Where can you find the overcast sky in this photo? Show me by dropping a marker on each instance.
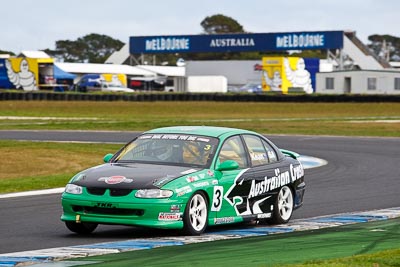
(38, 24)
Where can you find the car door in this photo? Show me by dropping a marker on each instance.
(262, 176)
(230, 193)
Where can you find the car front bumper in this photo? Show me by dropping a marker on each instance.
(159, 213)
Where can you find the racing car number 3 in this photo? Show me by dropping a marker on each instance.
(217, 198)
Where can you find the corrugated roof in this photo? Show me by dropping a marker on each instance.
(104, 68)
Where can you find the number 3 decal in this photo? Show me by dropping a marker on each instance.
(217, 198)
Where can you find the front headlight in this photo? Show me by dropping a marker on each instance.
(153, 193)
(73, 189)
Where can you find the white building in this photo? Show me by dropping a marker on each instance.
(358, 82)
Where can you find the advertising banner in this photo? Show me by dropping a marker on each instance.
(285, 74)
(236, 42)
(115, 79)
(19, 73)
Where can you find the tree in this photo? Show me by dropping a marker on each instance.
(219, 24)
(7, 52)
(385, 46)
(91, 48)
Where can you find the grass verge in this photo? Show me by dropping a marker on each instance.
(362, 244)
(362, 119)
(41, 165)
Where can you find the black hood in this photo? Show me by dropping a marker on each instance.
(130, 176)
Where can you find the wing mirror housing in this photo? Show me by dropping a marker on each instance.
(228, 165)
(107, 158)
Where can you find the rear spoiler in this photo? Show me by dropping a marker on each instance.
(290, 153)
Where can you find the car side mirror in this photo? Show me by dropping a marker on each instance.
(228, 166)
(107, 158)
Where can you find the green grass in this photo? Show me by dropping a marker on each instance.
(34, 183)
(41, 165)
(363, 244)
(353, 119)
(387, 258)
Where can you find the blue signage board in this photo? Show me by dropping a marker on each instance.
(236, 42)
(4, 80)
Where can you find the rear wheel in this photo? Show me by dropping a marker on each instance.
(81, 228)
(283, 207)
(196, 214)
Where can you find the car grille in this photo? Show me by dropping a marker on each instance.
(120, 192)
(98, 191)
(107, 211)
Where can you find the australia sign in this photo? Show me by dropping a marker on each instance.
(236, 42)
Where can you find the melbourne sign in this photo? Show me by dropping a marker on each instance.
(236, 42)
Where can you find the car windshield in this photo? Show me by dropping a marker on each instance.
(171, 149)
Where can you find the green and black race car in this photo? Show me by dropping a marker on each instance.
(187, 177)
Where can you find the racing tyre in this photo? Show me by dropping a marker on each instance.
(283, 207)
(196, 214)
(81, 228)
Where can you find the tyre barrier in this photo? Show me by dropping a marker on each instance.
(227, 97)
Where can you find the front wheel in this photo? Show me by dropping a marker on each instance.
(196, 214)
(81, 228)
(283, 207)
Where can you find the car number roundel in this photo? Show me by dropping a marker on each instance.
(217, 198)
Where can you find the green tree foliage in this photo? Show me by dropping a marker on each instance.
(91, 48)
(385, 45)
(7, 52)
(220, 24)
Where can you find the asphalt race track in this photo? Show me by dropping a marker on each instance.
(362, 174)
